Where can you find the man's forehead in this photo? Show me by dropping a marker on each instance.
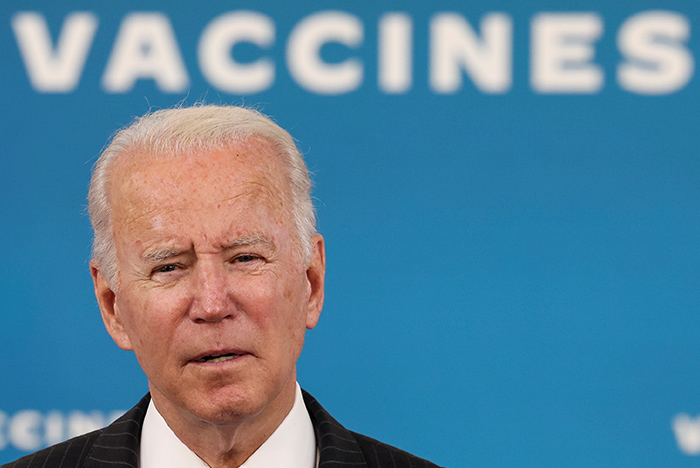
(254, 153)
(252, 161)
(204, 194)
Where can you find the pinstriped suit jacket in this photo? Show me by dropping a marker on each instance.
(117, 446)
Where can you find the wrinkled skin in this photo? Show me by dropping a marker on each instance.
(209, 266)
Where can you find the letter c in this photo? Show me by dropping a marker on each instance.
(24, 430)
(304, 47)
(214, 52)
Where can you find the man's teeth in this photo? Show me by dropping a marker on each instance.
(222, 358)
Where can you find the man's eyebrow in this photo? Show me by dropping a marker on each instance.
(158, 254)
(249, 240)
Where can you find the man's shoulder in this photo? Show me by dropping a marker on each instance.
(117, 443)
(69, 454)
(337, 445)
(378, 454)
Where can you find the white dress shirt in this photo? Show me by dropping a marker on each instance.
(292, 445)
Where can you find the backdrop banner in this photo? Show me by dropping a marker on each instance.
(509, 192)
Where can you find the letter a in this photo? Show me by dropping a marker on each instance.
(145, 48)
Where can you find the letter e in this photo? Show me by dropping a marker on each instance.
(561, 52)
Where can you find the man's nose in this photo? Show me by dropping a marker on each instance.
(211, 295)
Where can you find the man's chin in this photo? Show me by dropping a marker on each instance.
(229, 405)
(222, 398)
(221, 410)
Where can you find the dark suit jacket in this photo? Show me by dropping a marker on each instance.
(117, 446)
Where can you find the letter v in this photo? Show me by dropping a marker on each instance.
(54, 70)
(687, 431)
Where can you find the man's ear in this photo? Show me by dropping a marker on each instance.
(315, 275)
(107, 300)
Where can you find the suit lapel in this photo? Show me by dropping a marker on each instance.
(336, 445)
(119, 443)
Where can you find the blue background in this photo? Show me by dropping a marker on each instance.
(512, 279)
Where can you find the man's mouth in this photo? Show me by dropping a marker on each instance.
(219, 357)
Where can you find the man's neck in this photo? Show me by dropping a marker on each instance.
(230, 443)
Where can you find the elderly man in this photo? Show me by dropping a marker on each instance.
(207, 265)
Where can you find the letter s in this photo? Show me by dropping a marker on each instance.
(657, 60)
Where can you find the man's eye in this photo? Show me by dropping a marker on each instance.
(165, 269)
(245, 258)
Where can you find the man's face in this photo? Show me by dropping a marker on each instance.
(214, 297)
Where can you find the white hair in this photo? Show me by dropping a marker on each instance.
(194, 129)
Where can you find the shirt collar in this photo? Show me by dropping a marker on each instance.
(292, 445)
